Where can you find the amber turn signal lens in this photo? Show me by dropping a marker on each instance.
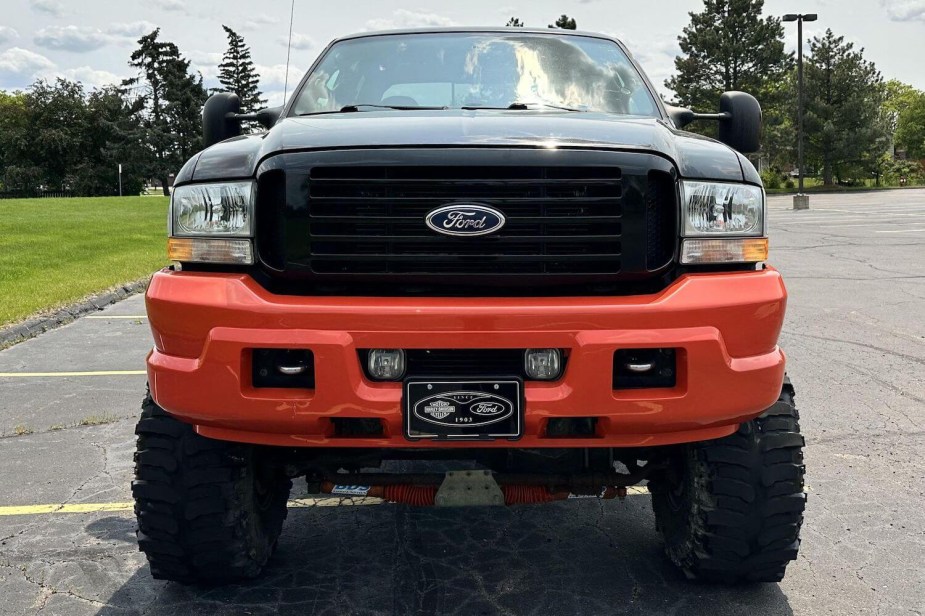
(738, 250)
(201, 250)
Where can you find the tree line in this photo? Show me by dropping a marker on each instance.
(57, 136)
(854, 121)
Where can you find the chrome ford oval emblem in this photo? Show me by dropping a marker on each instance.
(465, 219)
(466, 408)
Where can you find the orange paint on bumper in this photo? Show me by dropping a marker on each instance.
(726, 327)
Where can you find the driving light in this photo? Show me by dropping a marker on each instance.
(220, 209)
(715, 208)
(543, 364)
(202, 250)
(733, 250)
(386, 364)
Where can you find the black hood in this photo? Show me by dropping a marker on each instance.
(695, 156)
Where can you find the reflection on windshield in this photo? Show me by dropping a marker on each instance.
(476, 70)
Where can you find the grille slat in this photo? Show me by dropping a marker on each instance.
(371, 219)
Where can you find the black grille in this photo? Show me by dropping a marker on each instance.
(560, 220)
(461, 362)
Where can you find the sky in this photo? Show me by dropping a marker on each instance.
(91, 40)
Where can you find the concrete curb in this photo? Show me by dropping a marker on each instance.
(32, 327)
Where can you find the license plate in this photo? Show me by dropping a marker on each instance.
(463, 409)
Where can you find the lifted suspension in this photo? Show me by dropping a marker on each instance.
(482, 487)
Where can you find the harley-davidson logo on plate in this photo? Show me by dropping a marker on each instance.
(463, 409)
(465, 219)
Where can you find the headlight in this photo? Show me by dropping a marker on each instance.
(711, 209)
(220, 210)
(207, 220)
(723, 223)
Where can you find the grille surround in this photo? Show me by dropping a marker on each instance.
(296, 199)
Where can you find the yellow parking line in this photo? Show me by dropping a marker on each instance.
(73, 508)
(299, 503)
(117, 316)
(97, 373)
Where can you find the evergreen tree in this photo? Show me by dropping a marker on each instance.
(846, 127)
(730, 46)
(565, 23)
(237, 73)
(168, 100)
(514, 22)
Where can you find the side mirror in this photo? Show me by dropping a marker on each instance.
(739, 120)
(269, 116)
(741, 128)
(220, 118)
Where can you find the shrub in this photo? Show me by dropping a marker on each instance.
(770, 178)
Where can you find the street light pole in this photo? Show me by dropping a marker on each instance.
(800, 200)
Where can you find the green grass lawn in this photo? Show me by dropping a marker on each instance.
(56, 251)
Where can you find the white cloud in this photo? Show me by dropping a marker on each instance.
(20, 65)
(204, 57)
(90, 77)
(258, 22)
(299, 41)
(52, 7)
(71, 38)
(403, 18)
(7, 34)
(904, 10)
(135, 29)
(170, 5)
(274, 76)
(274, 98)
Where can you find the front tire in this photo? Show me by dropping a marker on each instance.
(208, 511)
(730, 510)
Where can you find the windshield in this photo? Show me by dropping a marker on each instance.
(476, 70)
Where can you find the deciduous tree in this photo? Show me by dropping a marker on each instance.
(905, 108)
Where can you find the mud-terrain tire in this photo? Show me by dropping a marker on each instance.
(730, 510)
(208, 511)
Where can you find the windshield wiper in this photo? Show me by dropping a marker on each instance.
(519, 106)
(361, 106)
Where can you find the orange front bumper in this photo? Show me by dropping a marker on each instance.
(726, 327)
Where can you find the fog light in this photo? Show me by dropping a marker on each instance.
(386, 364)
(543, 364)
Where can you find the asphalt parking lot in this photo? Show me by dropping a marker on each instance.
(855, 338)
